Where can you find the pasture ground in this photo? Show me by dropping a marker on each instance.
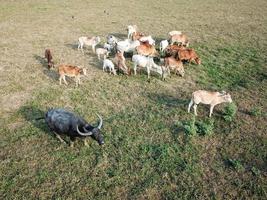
(147, 154)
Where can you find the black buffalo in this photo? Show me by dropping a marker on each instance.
(61, 121)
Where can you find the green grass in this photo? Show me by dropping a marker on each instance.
(153, 148)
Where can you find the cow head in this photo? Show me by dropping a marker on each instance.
(95, 132)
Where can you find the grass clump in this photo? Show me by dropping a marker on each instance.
(256, 112)
(229, 112)
(193, 127)
(190, 127)
(205, 127)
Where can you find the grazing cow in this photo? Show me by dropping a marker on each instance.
(210, 98)
(147, 49)
(61, 121)
(174, 65)
(188, 55)
(172, 50)
(71, 71)
(48, 56)
(112, 40)
(148, 63)
(119, 61)
(148, 39)
(93, 41)
(127, 45)
(180, 39)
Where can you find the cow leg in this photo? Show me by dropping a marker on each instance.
(148, 72)
(64, 79)
(60, 80)
(211, 110)
(189, 106)
(58, 137)
(195, 109)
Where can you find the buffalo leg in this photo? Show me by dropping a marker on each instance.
(58, 137)
(72, 140)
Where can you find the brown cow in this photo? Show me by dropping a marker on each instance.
(49, 58)
(188, 55)
(146, 49)
(174, 65)
(172, 50)
(71, 71)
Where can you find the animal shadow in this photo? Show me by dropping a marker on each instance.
(33, 114)
(72, 46)
(52, 74)
(41, 60)
(167, 100)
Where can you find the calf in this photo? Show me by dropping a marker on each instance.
(171, 33)
(93, 41)
(102, 52)
(61, 121)
(210, 98)
(119, 61)
(163, 45)
(49, 58)
(172, 50)
(131, 30)
(109, 64)
(188, 55)
(71, 71)
(148, 39)
(147, 49)
(174, 65)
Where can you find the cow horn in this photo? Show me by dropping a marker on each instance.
(101, 122)
(83, 134)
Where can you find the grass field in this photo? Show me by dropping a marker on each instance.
(148, 153)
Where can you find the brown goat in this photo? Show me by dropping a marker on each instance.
(146, 49)
(119, 61)
(180, 39)
(49, 58)
(188, 55)
(174, 65)
(71, 71)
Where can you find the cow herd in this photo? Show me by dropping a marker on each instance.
(173, 53)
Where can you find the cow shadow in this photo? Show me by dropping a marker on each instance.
(72, 46)
(168, 100)
(52, 74)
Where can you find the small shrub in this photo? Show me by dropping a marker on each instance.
(230, 112)
(236, 164)
(190, 127)
(205, 127)
(256, 112)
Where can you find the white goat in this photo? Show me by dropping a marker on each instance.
(148, 63)
(93, 41)
(131, 30)
(163, 44)
(127, 45)
(109, 64)
(210, 98)
(149, 38)
(103, 52)
(171, 33)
